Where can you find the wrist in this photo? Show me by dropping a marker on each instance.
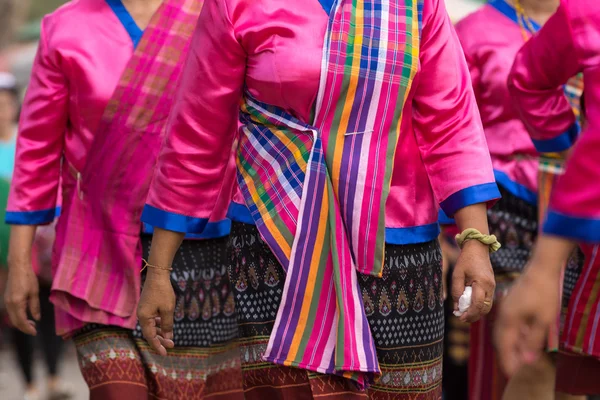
(551, 254)
(155, 273)
(19, 262)
(475, 246)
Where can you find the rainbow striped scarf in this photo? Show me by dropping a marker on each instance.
(318, 191)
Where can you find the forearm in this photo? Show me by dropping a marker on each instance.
(473, 216)
(550, 254)
(19, 247)
(164, 247)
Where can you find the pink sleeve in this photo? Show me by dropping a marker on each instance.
(35, 183)
(574, 210)
(462, 32)
(537, 90)
(192, 167)
(446, 119)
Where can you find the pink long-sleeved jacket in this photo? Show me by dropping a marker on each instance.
(274, 49)
(568, 44)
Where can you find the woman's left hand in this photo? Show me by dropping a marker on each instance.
(473, 268)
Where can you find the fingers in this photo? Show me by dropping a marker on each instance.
(166, 322)
(17, 312)
(167, 343)
(481, 304)
(507, 337)
(34, 306)
(533, 342)
(148, 325)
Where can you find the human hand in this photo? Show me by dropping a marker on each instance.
(526, 315)
(22, 294)
(473, 268)
(155, 311)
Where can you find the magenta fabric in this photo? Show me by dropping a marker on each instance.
(96, 115)
(82, 53)
(441, 150)
(491, 41)
(568, 44)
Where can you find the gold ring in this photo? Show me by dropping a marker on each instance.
(487, 303)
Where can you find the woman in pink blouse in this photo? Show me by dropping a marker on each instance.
(92, 123)
(357, 118)
(567, 45)
(491, 38)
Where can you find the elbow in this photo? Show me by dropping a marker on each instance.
(515, 84)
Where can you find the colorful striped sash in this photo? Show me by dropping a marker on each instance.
(98, 253)
(318, 191)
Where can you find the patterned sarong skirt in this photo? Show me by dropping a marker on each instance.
(118, 364)
(404, 309)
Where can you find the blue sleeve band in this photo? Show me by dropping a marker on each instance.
(560, 143)
(172, 222)
(213, 230)
(240, 213)
(577, 228)
(412, 235)
(468, 196)
(516, 188)
(443, 219)
(32, 217)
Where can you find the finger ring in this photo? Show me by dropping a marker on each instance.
(487, 303)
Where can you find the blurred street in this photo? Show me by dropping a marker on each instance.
(11, 382)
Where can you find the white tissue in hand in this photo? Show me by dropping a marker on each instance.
(464, 302)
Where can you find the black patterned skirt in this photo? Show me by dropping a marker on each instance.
(515, 223)
(404, 309)
(118, 364)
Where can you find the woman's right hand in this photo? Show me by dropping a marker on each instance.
(22, 294)
(155, 310)
(22, 288)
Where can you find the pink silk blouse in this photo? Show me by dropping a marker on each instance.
(568, 44)
(83, 50)
(274, 49)
(491, 38)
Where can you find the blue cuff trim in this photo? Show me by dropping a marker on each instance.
(560, 143)
(240, 213)
(172, 222)
(580, 229)
(412, 235)
(31, 217)
(515, 188)
(472, 195)
(213, 230)
(443, 219)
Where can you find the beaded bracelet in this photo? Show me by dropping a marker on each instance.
(473, 234)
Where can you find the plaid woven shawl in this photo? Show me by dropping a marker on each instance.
(317, 191)
(97, 263)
